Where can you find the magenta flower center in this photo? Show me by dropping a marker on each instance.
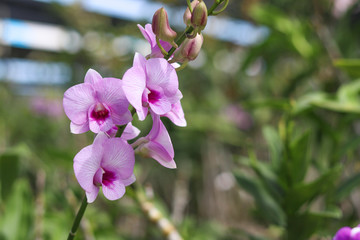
(153, 96)
(108, 178)
(99, 112)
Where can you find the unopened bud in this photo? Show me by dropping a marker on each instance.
(199, 16)
(161, 27)
(188, 14)
(189, 49)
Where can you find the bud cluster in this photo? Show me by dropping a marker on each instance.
(195, 18)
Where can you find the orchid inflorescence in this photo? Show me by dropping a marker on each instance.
(149, 87)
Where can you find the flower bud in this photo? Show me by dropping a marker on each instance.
(189, 49)
(161, 27)
(188, 14)
(199, 16)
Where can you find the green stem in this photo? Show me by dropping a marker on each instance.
(163, 51)
(189, 5)
(189, 29)
(214, 6)
(78, 218)
(222, 9)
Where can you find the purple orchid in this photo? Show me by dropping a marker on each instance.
(157, 144)
(97, 104)
(108, 162)
(152, 83)
(149, 35)
(347, 233)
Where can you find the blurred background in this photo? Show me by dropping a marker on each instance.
(271, 150)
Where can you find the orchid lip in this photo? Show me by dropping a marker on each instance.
(100, 112)
(108, 178)
(154, 96)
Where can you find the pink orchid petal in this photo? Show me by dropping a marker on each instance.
(92, 76)
(112, 132)
(157, 144)
(176, 115)
(161, 74)
(114, 191)
(121, 119)
(139, 61)
(160, 154)
(142, 113)
(98, 177)
(134, 81)
(159, 134)
(110, 92)
(129, 180)
(155, 50)
(77, 100)
(161, 106)
(81, 128)
(94, 126)
(176, 98)
(91, 196)
(130, 132)
(86, 164)
(148, 33)
(118, 157)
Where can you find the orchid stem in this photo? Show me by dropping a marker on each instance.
(189, 5)
(222, 9)
(163, 51)
(78, 218)
(182, 66)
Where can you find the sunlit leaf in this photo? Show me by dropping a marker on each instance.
(350, 66)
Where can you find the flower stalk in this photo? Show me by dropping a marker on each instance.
(78, 218)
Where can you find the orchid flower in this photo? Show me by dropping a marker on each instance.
(347, 233)
(151, 83)
(157, 144)
(109, 163)
(97, 104)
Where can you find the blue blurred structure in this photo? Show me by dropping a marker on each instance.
(23, 26)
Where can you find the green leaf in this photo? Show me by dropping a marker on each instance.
(306, 192)
(16, 223)
(300, 156)
(308, 101)
(266, 175)
(275, 145)
(9, 168)
(293, 29)
(267, 205)
(302, 226)
(347, 186)
(350, 66)
(346, 100)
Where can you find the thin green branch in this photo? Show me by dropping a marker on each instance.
(189, 5)
(78, 218)
(222, 9)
